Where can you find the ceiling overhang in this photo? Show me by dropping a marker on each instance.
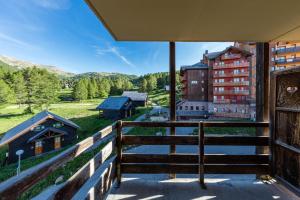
(200, 20)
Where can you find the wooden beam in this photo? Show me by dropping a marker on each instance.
(193, 140)
(135, 168)
(194, 124)
(119, 151)
(73, 184)
(172, 76)
(15, 186)
(262, 90)
(194, 158)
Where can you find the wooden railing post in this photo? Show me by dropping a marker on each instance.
(119, 151)
(201, 155)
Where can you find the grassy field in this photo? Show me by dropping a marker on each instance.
(159, 97)
(82, 113)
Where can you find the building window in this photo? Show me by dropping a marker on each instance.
(58, 125)
(202, 81)
(180, 108)
(202, 89)
(221, 89)
(186, 107)
(194, 82)
(197, 107)
(202, 74)
(192, 107)
(39, 128)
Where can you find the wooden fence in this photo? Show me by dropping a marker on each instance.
(193, 163)
(15, 186)
(111, 161)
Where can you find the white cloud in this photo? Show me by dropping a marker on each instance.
(53, 4)
(15, 41)
(114, 51)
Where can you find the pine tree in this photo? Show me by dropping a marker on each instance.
(104, 88)
(6, 93)
(151, 83)
(143, 86)
(80, 90)
(92, 88)
(18, 85)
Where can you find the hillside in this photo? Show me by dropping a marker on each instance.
(13, 64)
(10, 63)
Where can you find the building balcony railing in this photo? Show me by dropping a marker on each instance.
(231, 56)
(232, 114)
(241, 83)
(231, 65)
(231, 74)
(232, 92)
(287, 61)
(287, 50)
(222, 101)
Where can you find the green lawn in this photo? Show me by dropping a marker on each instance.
(82, 113)
(160, 97)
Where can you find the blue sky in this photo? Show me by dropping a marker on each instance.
(66, 34)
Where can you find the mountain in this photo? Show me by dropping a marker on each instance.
(15, 64)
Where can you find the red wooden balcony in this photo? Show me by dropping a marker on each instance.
(241, 74)
(231, 92)
(241, 83)
(232, 65)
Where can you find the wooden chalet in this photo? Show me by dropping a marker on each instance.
(116, 108)
(138, 98)
(277, 152)
(42, 133)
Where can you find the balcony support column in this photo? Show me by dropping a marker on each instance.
(262, 91)
(172, 104)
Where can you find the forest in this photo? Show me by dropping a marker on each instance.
(38, 88)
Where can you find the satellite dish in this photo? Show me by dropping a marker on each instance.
(19, 152)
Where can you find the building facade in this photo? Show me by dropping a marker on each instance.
(44, 132)
(226, 85)
(284, 55)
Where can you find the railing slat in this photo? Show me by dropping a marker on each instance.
(16, 185)
(194, 124)
(194, 158)
(193, 140)
(135, 168)
(71, 186)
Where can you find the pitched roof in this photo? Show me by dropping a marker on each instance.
(214, 55)
(22, 128)
(135, 96)
(113, 103)
(198, 65)
(45, 131)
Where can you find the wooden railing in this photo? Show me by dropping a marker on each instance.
(192, 163)
(109, 166)
(15, 186)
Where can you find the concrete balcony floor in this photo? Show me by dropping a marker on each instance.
(219, 187)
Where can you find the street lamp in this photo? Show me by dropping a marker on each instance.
(19, 153)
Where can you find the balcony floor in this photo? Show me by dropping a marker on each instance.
(222, 187)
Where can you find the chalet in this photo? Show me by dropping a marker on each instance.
(116, 108)
(138, 99)
(42, 133)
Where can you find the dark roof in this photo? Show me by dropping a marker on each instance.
(214, 55)
(135, 96)
(55, 130)
(198, 65)
(113, 103)
(20, 129)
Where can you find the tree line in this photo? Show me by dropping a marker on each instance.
(37, 87)
(32, 86)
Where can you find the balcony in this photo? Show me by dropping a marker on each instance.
(241, 83)
(131, 169)
(230, 56)
(221, 101)
(287, 50)
(245, 74)
(231, 66)
(232, 92)
(232, 115)
(287, 61)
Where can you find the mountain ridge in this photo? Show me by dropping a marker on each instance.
(17, 64)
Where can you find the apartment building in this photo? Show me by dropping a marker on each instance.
(194, 103)
(226, 89)
(284, 55)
